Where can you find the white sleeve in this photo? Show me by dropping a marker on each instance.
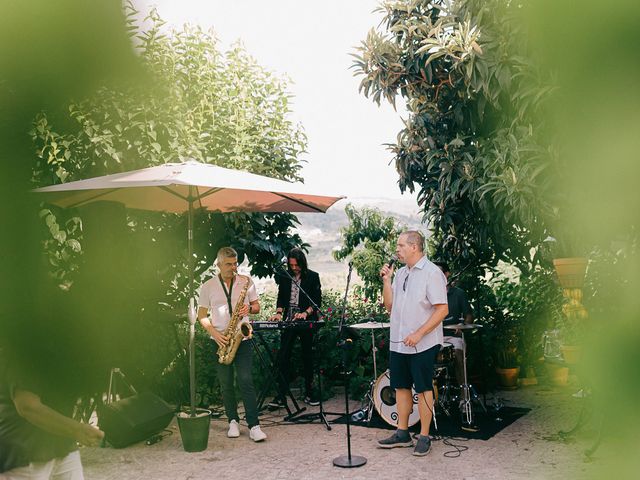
(203, 298)
(252, 294)
(437, 287)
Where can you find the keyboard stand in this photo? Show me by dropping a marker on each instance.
(281, 386)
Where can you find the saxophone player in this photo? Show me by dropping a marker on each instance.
(219, 297)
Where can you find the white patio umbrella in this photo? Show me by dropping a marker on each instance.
(183, 187)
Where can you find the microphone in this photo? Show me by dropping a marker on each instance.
(392, 261)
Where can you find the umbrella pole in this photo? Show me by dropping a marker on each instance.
(192, 311)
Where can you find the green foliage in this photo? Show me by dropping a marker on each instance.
(530, 306)
(220, 108)
(369, 239)
(62, 245)
(473, 144)
(215, 107)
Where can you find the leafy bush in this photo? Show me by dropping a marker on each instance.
(172, 380)
(530, 305)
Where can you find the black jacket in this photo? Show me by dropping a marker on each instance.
(310, 283)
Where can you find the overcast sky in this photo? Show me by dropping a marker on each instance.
(310, 42)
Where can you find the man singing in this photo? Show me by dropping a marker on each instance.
(417, 300)
(219, 295)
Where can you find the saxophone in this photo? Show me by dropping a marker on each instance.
(236, 331)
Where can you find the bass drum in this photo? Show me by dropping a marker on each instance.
(384, 400)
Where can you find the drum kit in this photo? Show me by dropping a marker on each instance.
(382, 398)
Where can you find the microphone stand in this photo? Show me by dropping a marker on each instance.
(347, 461)
(308, 417)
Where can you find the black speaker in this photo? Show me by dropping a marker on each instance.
(134, 419)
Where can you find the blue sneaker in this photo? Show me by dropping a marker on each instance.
(423, 446)
(396, 440)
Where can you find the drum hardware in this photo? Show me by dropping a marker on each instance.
(468, 392)
(446, 355)
(442, 389)
(368, 406)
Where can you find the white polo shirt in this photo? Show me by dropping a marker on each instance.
(213, 298)
(415, 292)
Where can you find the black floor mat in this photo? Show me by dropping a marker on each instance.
(450, 426)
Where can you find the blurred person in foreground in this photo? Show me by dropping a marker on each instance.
(38, 439)
(417, 299)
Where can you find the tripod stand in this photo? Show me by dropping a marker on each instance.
(348, 460)
(468, 392)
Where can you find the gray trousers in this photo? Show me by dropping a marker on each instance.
(242, 366)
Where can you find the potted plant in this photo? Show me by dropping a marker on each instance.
(194, 423)
(530, 303)
(507, 356)
(570, 271)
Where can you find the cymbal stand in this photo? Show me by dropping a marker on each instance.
(468, 393)
(444, 393)
(367, 405)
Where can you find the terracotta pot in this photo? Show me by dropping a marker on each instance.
(558, 374)
(529, 378)
(508, 377)
(571, 354)
(570, 271)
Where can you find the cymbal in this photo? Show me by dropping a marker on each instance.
(463, 326)
(371, 325)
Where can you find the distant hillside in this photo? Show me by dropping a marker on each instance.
(322, 232)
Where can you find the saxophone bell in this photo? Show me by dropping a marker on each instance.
(247, 330)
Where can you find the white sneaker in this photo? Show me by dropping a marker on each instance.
(256, 434)
(234, 429)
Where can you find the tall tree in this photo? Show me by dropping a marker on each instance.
(370, 240)
(474, 144)
(220, 108)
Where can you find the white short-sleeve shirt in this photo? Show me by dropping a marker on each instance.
(415, 292)
(213, 298)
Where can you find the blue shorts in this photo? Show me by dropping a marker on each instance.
(413, 370)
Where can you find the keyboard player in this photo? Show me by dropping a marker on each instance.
(299, 296)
